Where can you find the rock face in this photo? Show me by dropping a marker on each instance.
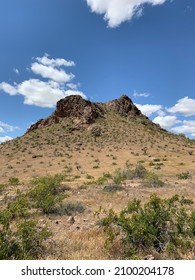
(77, 107)
(84, 112)
(123, 106)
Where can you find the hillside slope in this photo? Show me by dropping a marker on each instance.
(92, 138)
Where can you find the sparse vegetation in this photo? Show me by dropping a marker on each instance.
(139, 172)
(112, 188)
(184, 175)
(132, 158)
(160, 225)
(70, 209)
(14, 181)
(152, 181)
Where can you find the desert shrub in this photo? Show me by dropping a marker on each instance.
(112, 188)
(70, 209)
(104, 178)
(101, 180)
(184, 175)
(107, 175)
(139, 172)
(160, 225)
(119, 176)
(19, 208)
(157, 160)
(68, 168)
(45, 192)
(152, 181)
(31, 238)
(14, 181)
(89, 176)
(25, 242)
(52, 182)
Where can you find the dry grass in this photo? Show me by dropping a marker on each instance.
(81, 245)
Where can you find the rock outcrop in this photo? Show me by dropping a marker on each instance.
(85, 112)
(123, 106)
(73, 107)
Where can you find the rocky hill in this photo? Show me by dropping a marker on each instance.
(91, 138)
(85, 112)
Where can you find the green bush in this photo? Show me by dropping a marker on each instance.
(119, 176)
(104, 178)
(160, 225)
(17, 208)
(101, 180)
(21, 239)
(25, 242)
(45, 193)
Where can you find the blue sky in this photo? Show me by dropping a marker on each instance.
(99, 49)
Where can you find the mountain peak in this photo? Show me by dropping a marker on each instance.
(84, 111)
(124, 106)
(77, 107)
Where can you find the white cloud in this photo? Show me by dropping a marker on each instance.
(11, 90)
(166, 121)
(5, 139)
(45, 93)
(149, 109)
(184, 106)
(58, 62)
(118, 11)
(16, 71)
(51, 73)
(73, 86)
(50, 68)
(161, 113)
(143, 94)
(39, 93)
(2, 130)
(42, 94)
(7, 127)
(186, 127)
